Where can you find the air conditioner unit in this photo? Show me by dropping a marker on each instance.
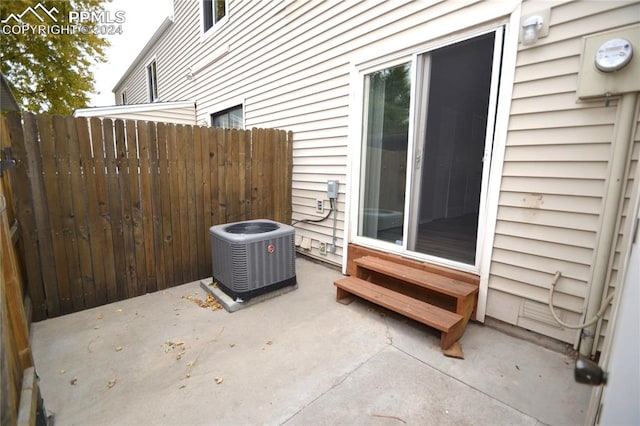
(253, 257)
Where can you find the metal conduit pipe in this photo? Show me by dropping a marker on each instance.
(613, 194)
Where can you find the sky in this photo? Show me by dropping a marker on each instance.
(142, 19)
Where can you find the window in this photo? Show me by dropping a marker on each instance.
(123, 97)
(152, 78)
(230, 118)
(213, 11)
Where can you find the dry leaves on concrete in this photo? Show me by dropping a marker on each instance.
(209, 302)
(175, 347)
(190, 365)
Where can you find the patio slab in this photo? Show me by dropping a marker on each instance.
(299, 358)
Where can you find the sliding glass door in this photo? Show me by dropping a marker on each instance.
(430, 205)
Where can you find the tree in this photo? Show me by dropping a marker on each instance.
(49, 62)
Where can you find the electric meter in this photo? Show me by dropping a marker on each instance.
(613, 54)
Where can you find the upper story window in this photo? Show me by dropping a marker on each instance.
(230, 118)
(152, 79)
(213, 11)
(123, 97)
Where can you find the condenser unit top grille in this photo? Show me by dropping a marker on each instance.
(253, 227)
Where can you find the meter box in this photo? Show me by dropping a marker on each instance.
(610, 63)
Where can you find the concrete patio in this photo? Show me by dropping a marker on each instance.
(299, 358)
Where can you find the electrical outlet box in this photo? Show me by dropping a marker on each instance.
(332, 189)
(319, 205)
(323, 248)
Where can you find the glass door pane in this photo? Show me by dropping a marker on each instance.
(457, 86)
(384, 156)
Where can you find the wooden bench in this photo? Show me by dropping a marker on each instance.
(451, 323)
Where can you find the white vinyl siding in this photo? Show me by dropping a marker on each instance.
(176, 116)
(159, 112)
(554, 174)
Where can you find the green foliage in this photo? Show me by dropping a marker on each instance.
(51, 72)
(393, 86)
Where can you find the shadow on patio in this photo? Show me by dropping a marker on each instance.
(300, 358)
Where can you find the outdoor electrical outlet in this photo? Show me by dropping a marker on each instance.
(319, 205)
(323, 248)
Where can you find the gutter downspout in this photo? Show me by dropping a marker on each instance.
(613, 195)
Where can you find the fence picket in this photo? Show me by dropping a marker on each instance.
(129, 209)
(115, 202)
(232, 185)
(80, 219)
(269, 158)
(95, 234)
(105, 232)
(175, 203)
(200, 234)
(190, 210)
(146, 223)
(257, 173)
(165, 203)
(183, 203)
(207, 219)
(288, 195)
(111, 209)
(158, 281)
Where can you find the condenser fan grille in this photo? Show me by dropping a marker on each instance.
(252, 227)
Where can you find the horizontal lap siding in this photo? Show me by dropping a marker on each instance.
(174, 116)
(554, 175)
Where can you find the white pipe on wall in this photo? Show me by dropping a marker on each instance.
(622, 138)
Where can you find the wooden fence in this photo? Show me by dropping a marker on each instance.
(111, 209)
